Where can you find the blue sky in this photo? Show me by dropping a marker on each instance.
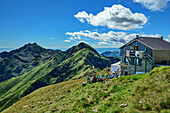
(64, 23)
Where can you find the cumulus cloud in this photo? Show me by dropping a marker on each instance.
(115, 17)
(104, 38)
(103, 43)
(82, 41)
(110, 39)
(67, 40)
(168, 39)
(152, 35)
(111, 36)
(81, 16)
(51, 38)
(153, 5)
(71, 38)
(108, 46)
(3, 47)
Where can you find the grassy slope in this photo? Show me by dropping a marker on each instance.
(13, 89)
(142, 93)
(75, 66)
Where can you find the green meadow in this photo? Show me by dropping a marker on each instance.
(148, 92)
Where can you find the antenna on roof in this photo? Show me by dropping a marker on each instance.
(162, 37)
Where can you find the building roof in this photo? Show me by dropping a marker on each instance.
(151, 42)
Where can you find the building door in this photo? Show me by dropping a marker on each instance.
(136, 48)
(126, 73)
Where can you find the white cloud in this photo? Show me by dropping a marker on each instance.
(82, 41)
(110, 46)
(168, 39)
(115, 17)
(153, 5)
(81, 15)
(67, 40)
(152, 35)
(51, 38)
(103, 43)
(3, 47)
(111, 36)
(71, 38)
(110, 39)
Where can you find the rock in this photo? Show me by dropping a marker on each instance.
(141, 101)
(95, 110)
(123, 105)
(51, 97)
(84, 83)
(25, 106)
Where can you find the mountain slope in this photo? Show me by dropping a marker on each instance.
(70, 64)
(142, 93)
(15, 88)
(111, 54)
(22, 60)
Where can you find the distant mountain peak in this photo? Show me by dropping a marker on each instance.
(35, 43)
(82, 43)
(111, 54)
(32, 44)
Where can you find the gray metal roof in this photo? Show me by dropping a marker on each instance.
(151, 42)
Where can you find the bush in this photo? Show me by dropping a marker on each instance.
(117, 110)
(85, 104)
(164, 105)
(105, 95)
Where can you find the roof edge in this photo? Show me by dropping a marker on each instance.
(128, 43)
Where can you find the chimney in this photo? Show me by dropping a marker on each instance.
(162, 37)
(137, 36)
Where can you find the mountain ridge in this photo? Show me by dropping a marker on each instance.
(22, 60)
(111, 54)
(61, 66)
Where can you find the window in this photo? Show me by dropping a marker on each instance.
(126, 73)
(136, 48)
(132, 61)
(164, 62)
(132, 47)
(125, 60)
(146, 50)
(138, 62)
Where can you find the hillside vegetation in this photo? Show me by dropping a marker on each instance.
(24, 59)
(61, 66)
(138, 93)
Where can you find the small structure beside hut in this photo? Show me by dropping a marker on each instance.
(115, 66)
(141, 54)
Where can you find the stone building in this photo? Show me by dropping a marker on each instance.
(141, 54)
